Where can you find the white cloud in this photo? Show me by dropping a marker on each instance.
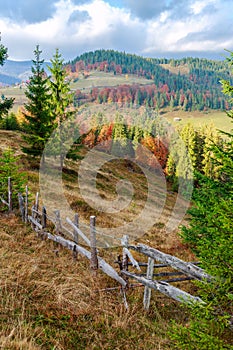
(75, 26)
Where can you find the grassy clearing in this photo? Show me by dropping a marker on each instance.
(218, 118)
(182, 69)
(102, 79)
(51, 302)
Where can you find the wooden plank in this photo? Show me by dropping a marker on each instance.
(186, 267)
(131, 258)
(35, 222)
(165, 288)
(147, 290)
(4, 202)
(81, 234)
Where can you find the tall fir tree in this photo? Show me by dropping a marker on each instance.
(39, 120)
(62, 108)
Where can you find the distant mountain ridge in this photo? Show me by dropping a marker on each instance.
(13, 72)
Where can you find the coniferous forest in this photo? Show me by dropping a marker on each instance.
(190, 83)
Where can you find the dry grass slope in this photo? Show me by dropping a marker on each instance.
(52, 302)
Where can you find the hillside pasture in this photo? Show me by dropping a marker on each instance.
(49, 301)
(199, 119)
(102, 79)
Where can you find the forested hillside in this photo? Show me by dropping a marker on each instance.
(189, 83)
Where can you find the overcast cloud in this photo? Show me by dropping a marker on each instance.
(165, 28)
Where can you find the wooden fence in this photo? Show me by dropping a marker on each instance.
(79, 243)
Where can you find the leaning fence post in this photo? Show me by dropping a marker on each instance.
(33, 216)
(21, 206)
(10, 203)
(26, 205)
(36, 205)
(147, 290)
(125, 259)
(58, 222)
(94, 258)
(76, 223)
(44, 217)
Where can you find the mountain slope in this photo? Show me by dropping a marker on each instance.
(189, 83)
(16, 71)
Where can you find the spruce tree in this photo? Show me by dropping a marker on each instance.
(210, 235)
(9, 167)
(62, 109)
(39, 120)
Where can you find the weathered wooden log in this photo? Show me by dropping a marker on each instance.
(165, 288)
(4, 202)
(35, 223)
(134, 263)
(81, 234)
(186, 267)
(147, 290)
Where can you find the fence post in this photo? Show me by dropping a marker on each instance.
(21, 206)
(26, 205)
(36, 205)
(33, 216)
(125, 259)
(58, 222)
(44, 217)
(94, 258)
(10, 203)
(76, 223)
(147, 290)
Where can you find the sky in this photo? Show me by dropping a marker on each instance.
(150, 28)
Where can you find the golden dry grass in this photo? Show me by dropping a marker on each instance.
(50, 301)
